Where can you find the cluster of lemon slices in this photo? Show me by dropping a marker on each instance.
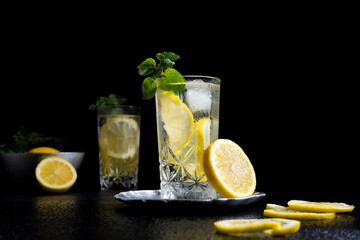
(54, 174)
(283, 220)
(305, 210)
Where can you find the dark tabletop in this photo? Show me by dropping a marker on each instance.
(97, 215)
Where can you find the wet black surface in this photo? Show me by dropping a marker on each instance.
(98, 215)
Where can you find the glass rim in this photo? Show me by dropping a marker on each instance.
(203, 77)
(120, 106)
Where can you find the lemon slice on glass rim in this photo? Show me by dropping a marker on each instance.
(178, 119)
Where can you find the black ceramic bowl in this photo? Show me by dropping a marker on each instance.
(22, 165)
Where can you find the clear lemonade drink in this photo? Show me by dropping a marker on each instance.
(187, 122)
(119, 140)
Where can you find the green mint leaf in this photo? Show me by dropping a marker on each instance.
(115, 100)
(160, 56)
(172, 81)
(147, 67)
(166, 63)
(162, 75)
(170, 55)
(111, 100)
(149, 88)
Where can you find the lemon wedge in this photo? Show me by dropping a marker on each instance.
(228, 169)
(55, 174)
(287, 227)
(202, 141)
(43, 150)
(245, 225)
(178, 119)
(119, 138)
(320, 207)
(276, 211)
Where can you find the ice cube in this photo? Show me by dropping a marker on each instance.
(198, 96)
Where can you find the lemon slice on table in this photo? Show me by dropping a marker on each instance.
(287, 227)
(245, 225)
(202, 140)
(55, 174)
(178, 120)
(320, 207)
(43, 150)
(276, 211)
(228, 169)
(276, 207)
(119, 138)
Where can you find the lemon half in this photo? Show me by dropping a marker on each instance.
(228, 169)
(43, 150)
(55, 174)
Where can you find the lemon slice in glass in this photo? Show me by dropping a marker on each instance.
(178, 119)
(55, 174)
(228, 169)
(320, 207)
(119, 138)
(202, 141)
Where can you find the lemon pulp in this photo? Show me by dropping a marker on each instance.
(228, 169)
(55, 174)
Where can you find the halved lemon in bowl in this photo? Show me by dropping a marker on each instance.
(43, 150)
(55, 174)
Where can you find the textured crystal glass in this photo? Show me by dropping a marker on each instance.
(187, 122)
(119, 142)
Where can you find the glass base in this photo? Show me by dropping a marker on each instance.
(119, 183)
(187, 190)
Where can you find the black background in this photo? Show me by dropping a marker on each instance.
(288, 89)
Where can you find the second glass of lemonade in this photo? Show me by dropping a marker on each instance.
(187, 122)
(119, 142)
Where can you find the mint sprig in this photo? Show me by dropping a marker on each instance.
(163, 75)
(112, 100)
